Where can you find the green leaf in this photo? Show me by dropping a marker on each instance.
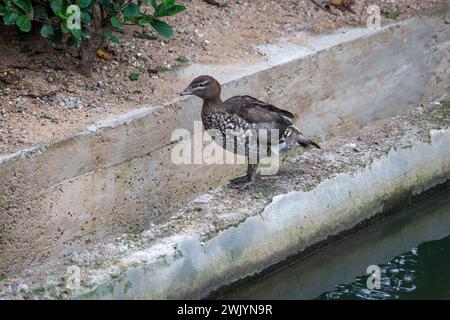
(57, 6)
(86, 33)
(145, 20)
(154, 4)
(159, 10)
(134, 76)
(63, 27)
(147, 36)
(173, 10)
(84, 3)
(105, 3)
(183, 59)
(47, 31)
(169, 3)
(40, 12)
(162, 28)
(116, 22)
(25, 5)
(2, 9)
(10, 18)
(109, 35)
(77, 36)
(23, 23)
(85, 17)
(131, 10)
(394, 14)
(116, 8)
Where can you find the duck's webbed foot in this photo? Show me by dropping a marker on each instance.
(242, 183)
(239, 179)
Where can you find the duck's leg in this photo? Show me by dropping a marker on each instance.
(243, 182)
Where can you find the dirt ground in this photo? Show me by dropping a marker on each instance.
(44, 98)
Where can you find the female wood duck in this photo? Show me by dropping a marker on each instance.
(240, 120)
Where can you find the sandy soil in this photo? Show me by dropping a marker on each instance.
(43, 97)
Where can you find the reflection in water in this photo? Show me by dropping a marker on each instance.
(421, 273)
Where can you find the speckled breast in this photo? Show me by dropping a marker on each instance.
(235, 135)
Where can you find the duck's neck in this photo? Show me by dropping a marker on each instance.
(211, 105)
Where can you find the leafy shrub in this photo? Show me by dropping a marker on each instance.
(73, 21)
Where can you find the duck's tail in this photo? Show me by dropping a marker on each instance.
(298, 137)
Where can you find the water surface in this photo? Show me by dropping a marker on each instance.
(412, 250)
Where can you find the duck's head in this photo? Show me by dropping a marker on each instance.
(205, 87)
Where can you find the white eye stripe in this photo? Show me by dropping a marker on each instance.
(201, 84)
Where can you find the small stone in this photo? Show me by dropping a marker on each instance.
(107, 105)
(204, 198)
(198, 34)
(288, 27)
(72, 102)
(304, 26)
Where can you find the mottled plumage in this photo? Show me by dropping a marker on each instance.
(245, 124)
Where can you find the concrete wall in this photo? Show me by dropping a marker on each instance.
(293, 222)
(116, 176)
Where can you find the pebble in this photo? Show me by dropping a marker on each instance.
(288, 27)
(198, 34)
(72, 102)
(107, 105)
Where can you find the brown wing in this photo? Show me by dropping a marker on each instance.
(255, 111)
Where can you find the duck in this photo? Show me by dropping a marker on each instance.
(241, 119)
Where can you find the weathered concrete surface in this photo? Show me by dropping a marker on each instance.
(116, 176)
(225, 235)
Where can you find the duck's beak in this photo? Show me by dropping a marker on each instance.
(186, 92)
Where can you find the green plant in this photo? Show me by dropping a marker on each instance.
(183, 59)
(72, 22)
(59, 17)
(394, 14)
(134, 76)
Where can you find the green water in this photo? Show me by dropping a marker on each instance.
(421, 273)
(411, 249)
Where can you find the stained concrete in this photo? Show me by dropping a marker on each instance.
(116, 176)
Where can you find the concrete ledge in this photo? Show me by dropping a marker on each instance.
(224, 235)
(116, 176)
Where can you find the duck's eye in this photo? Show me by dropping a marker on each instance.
(200, 85)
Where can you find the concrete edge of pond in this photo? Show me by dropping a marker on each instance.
(117, 176)
(365, 173)
(291, 223)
